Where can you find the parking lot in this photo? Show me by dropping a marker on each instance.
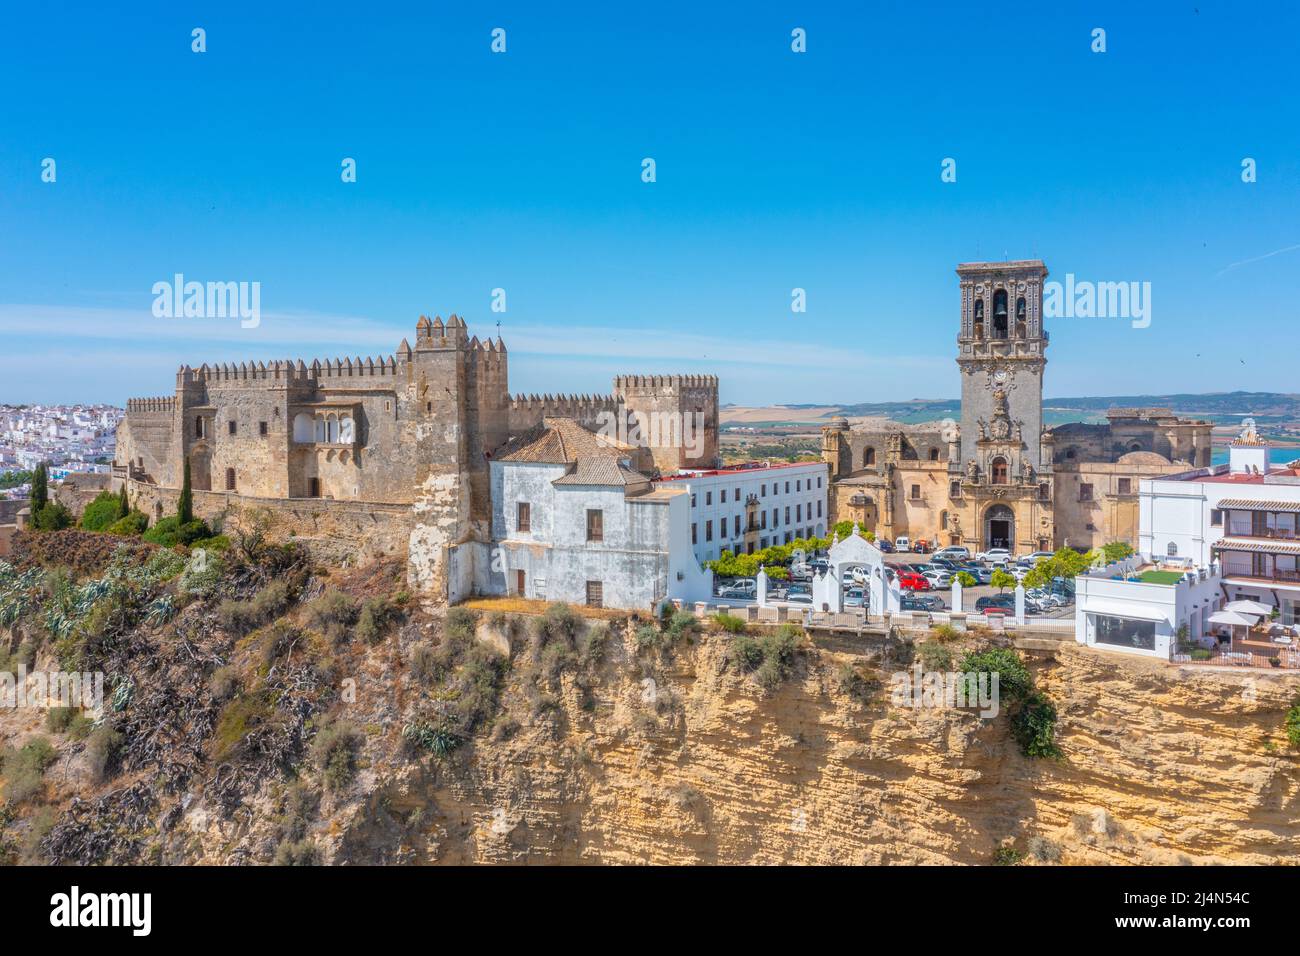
(941, 594)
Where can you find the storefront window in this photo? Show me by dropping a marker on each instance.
(1125, 632)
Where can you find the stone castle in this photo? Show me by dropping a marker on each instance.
(1000, 478)
(382, 454)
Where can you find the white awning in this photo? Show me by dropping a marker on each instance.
(1138, 612)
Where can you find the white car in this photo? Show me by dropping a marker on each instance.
(859, 574)
(902, 543)
(956, 552)
(994, 556)
(1037, 556)
(937, 577)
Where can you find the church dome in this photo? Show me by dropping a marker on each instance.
(839, 423)
(1142, 458)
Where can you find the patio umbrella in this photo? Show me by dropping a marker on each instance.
(1235, 618)
(1248, 607)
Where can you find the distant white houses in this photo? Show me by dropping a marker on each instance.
(574, 520)
(747, 508)
(1219, 560)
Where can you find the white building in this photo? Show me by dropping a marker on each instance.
(1207, 538)
(1245, 514)
(750, 507)
(573, 520)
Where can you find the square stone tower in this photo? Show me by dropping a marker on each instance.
(1001, 355)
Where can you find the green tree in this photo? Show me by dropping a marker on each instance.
(40, 495)
(965, 579)
(1036, 578)
(1002, 580)
(185, 504)
(123, 505)
(1116, 551)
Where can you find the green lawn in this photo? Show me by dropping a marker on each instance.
(1160, 577)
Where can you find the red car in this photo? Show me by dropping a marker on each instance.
(911, 581)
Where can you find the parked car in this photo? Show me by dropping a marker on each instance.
(947, 563)
(921, 546)
(799, 599)
(996, 602)
(957, 552)
(855, 598)
(921, 602)
(911, 581)
(739, 588)
(938, 577)
(902, 543)
(885, 545)
(1037, 556)
(847, 580)
(994, 556)
(1045, 598)
(981, 574)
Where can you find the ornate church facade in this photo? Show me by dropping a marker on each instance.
(1000, 478)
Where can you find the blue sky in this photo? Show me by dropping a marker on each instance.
(522, 171)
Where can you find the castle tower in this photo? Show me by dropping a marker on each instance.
(1001, 354)
(677, 416)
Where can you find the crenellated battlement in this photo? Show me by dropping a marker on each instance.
(287, 371)
(163, 404)
(665, 381)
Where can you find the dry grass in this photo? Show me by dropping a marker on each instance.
(518, 605)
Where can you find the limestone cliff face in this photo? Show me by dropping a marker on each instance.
(1159, 766)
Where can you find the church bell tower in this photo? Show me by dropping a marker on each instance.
(1001, 354)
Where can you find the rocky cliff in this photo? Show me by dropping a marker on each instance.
(335, 722)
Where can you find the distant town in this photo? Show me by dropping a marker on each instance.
(68, 438)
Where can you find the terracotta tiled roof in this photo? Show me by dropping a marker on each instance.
(594, 459)
(559, 441)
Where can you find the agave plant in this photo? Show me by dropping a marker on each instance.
(160, 610)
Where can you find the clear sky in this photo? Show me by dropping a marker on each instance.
(522, 171)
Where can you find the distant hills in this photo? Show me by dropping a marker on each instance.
(1219, 407)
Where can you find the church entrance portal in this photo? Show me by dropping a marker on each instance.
(999, 527)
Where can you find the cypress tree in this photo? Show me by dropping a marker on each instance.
(40, 496)
(123, 506)
(185, 505)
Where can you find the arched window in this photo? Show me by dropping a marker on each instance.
(943, 520)
(1172, 550)
(869, 457)
(230, 479)
(332, 429)
(934, 454)
(198, 427)
(1021, 312)
(346, 430)
(303, 430)
(979, 318)
(320, 429)
(1000, 314)
(1069, 454)
(998, 470)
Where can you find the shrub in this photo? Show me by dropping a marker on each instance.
(335, 752)
(299, 809)
(425, 662)
(267, 604)
(648, 638)
(462, 623)
(945, 633)
(934, 656)
(296, 853)
(58, 719)
(102, 512)
(1033, 725)
(377, 615)
(102, 749)
(730, 623)
(170, 532)
(435, 737)
(24, 769)
(130, 525)
(54, 516)
(1014, 680)
(1293, 724)
(558, 623)
(1007, 856)
(745, 653)
(682, 625)
(855, 684)
(333, 613)
(224, 682)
